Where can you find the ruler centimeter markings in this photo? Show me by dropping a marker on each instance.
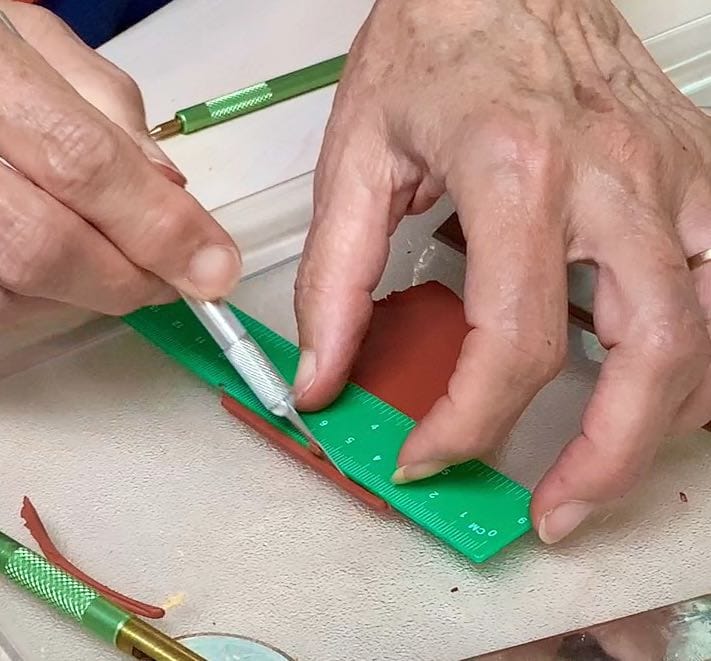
(472, 507)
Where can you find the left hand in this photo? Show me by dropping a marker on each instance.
(94, 215)
(97, 80)
(559, 140)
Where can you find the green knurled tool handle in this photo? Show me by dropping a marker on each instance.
(261, 95)
(54, 586)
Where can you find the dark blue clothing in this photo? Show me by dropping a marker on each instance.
(97, 21)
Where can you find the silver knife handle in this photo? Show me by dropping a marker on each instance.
(260, 375)
(244, 354)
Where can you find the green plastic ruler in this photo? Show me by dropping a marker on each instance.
(471, 507)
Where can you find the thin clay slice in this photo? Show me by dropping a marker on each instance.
(34, 524)
(302, 453)
(407, 357)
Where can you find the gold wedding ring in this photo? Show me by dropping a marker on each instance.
(699, 259)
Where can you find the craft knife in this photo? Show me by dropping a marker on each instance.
(252, 364)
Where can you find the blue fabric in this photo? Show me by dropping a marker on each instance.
(97, 21)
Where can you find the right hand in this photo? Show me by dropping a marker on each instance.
(559, 140)
(92, 213)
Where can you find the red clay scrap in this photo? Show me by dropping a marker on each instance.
(34, 524)
(302, 453)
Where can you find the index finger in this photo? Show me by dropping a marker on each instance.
(72, 151)
(344, 257)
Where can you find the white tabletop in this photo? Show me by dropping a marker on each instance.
(193, 51)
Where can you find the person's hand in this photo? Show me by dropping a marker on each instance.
(559, 140)
(92, 213)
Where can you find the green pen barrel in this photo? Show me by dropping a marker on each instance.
(261, 95)
(60, 590)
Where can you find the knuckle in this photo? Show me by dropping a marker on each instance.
(124, 82)
(621, 77)
(124, 85)
(29, 254)
(679, 345)
(623, 469)
(615, 468)
(629, 145)
(80, 154)
(170, 233)
(536, 359)
(517, 146)
(624, 466)
(43, 14)
(414, 16)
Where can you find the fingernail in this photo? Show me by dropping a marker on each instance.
(214, 271)
(306, 373)
(413, 472)
(158, 157)
(172, 174)
(561, 521)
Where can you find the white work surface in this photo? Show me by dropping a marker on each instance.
(148, 484)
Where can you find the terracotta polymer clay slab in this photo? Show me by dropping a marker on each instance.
(412, 347)
(406, 359)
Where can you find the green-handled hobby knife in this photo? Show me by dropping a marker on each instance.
(84, 605)
(249, 99)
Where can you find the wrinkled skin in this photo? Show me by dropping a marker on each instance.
(93, 214)
(559, 140)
